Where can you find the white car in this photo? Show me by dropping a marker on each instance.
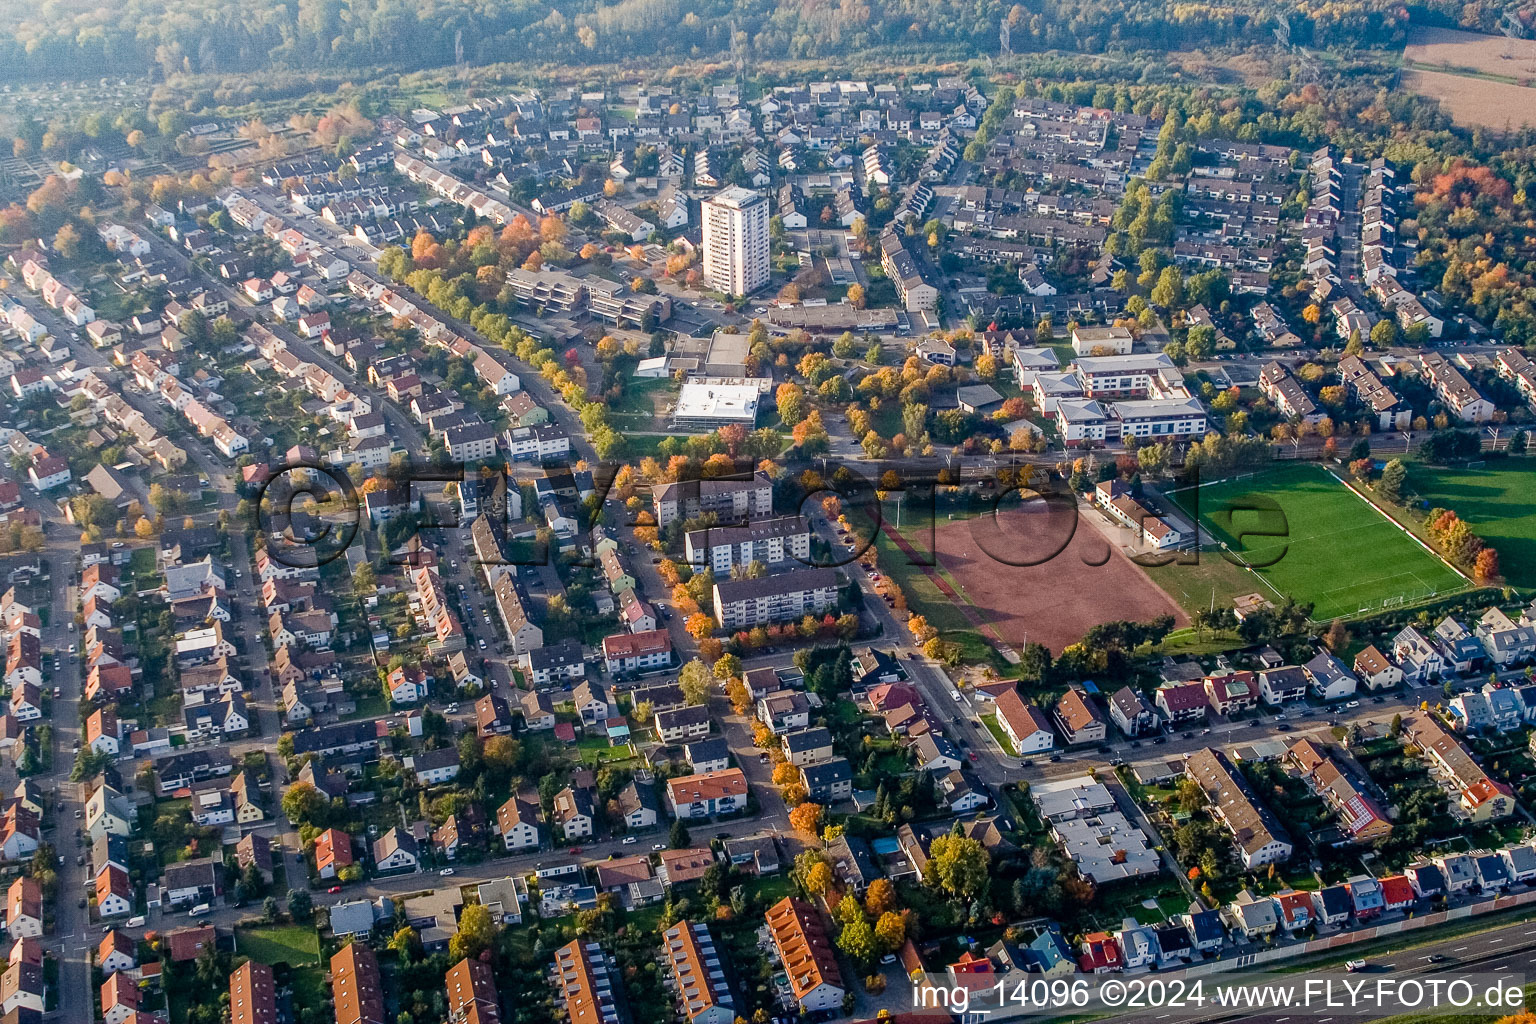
(629, 840)
(1353, 704)
(446, 872)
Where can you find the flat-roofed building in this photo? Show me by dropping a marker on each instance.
(707, 404)
(735, 239)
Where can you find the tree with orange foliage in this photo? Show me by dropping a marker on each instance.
(517, 232)
(732, 435)
(684, 601)
(880, 898)
(1464, 183)
(535, 261)
(806, 818)
(700, 625)
(1486, 566)
(810, 433)
(551, 229)
(426, 252)
(717, 465)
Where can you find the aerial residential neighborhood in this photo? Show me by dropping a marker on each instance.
(739, 523)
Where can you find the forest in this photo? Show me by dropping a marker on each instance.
(70, 38)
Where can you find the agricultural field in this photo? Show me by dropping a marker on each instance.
(1480, 80)
(1314, 540)
(1497, 500)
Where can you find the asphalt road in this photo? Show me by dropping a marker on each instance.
(1508, 949)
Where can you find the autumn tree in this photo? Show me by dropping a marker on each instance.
(694, 680)
(890, 931)
(790, 399)
(477, 933)
(880, 897)
(807, 818)
(817, 878)
(303, 804)
(1337, 637)
(857, 939)
(1485, 568)
(960, 867)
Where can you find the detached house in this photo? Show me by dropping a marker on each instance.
(1182, 702)
(712, 793)
(1131, 713)
(1079, 719)
(1025, 725)
(395, 851)
(517, 823)
(1232, 693)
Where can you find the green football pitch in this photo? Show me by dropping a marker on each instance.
(1306, 536)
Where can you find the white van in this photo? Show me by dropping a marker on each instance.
(135, 922)
(200, 910)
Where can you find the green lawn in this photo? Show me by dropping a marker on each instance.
(1211, 581)
(639, 407)
(142, 561)
(1497, 500)
(597, 750)
(923, 595)
(371, 706)
(290, 944)
(990, 721)
(1312, 539)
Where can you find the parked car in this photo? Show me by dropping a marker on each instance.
(446, 872)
